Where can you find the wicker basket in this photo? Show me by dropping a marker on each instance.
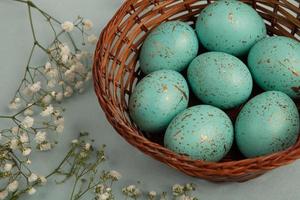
(116, 71)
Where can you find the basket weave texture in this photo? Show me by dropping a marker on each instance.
(116, 72)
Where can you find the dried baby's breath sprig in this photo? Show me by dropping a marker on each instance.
(83, 165)
(36, 116)
(178, 192)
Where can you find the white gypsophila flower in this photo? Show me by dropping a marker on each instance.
(56, 113)
(52, 83)
(8, 167)
(64, 49)
(87, 24)
(83, 155)
(131, 187)
(14, 144)
(152, 194)
(40, 137)
(3, 194)
(28, 112)
(59, 121)
(27, 92)
(48, 111)
(64, 58)
(31, 191)
(67, 26)
(15, 130)
(115, 175)
(87, 146)
(88, 76)
(13, 186)
(59, 96)
(108, 189)
(52, 73)
(60, 128)
(48, 66)
(26, 151)
(99, 189)
(177, 189)
(17, 100)
(35, 87)
(84, 54)
(24, 138)
(92, 39)
(75, 141)
(28, 162)
(190, 187)
(104, 196)
(33, 177)
(78, 56)
(45, 146)
(70, 75)
(27, 122)
(64, 52)
(43, 180)
(78, 67)
(0, 136)
(79, 85)
(47, 99)
(68, 91)
(14, 105)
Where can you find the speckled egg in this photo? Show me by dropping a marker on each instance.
(172, 45)
(230, 26)
(268, 123)
(275, 65)
(220, 79)
(157, 99)
(201, 132)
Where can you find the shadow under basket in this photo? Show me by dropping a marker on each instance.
(116, 72)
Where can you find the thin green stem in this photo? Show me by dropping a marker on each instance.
(73, 189)
(31, 23)
(61, 163)
(5, 117)
(21, 111)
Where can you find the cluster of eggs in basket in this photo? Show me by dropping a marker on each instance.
(228, 29)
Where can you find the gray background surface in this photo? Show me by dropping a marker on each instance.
(83, 113)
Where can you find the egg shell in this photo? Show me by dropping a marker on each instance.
(230, 26)
(201, 132)
(220, 79)
(268, 123)
(157, 99)
(275, 65)
(172, 45)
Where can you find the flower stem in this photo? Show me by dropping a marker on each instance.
(74, 187)
(5, 117)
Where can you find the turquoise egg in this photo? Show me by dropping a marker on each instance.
(275, 65)
(220, 79)
(157, 99)
(268, 123)
(201, 132)
(172, 45)
(230, 26)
